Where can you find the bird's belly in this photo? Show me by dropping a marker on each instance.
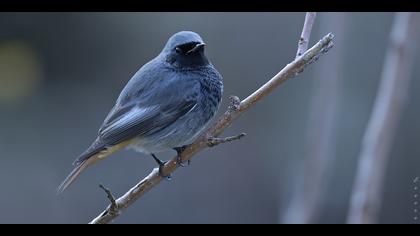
(182, 132)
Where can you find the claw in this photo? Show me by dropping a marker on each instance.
(180, 163)
(179, 159)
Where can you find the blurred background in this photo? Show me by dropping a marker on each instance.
(60, 74)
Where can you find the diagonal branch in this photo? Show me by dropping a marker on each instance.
(236, 109)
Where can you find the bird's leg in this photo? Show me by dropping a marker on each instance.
(178, 153)
(161, 165)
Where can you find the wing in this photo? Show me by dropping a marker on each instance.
(143, 108)
(148, 106)
(143, 121)
(136, 122)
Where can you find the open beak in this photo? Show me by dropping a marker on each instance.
(196, 47)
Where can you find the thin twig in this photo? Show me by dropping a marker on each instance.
(236, 109)
(309, 186)
(388, 107)
(306, 33)
(212, 141)
(109, 196)
(113, 208)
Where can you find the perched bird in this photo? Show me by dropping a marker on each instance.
(164, 106)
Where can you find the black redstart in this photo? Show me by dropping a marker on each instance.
(164, 106)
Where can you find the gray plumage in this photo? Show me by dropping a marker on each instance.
(165, 105)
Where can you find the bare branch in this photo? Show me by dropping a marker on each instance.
(236, 109)
(388, 106)
(306, 33)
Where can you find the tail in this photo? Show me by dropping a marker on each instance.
(96, 152)
(80, 167)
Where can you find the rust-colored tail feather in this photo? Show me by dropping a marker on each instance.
(94, 154)
(80, 167)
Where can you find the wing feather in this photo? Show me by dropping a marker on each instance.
(143, 121)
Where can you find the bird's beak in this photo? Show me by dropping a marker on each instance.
(196, 48)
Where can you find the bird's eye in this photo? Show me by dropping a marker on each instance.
(178, 50)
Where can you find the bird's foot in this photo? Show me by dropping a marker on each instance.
(161, 164)
(179, 161)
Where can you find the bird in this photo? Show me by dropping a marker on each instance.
(165, 105)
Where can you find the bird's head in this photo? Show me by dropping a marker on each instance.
(185, 49)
